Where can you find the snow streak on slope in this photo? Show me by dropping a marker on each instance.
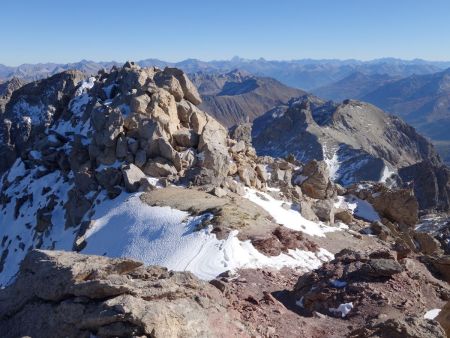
(332, 161)
(126, 227)
(19, 217)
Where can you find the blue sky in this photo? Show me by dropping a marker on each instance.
(68, 31)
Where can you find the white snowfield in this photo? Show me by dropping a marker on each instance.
(127, 227)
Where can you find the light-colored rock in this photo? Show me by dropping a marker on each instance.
(198, 121)
(186, 138)
(247, 175)
(306, 210)
(238, 147)
(428, 245)
(324, 209)
(344, 216)
(166, 150)
(317, 183)
(163, 109)
(219, 192)
(132, 177)
(212, 145)
(171, 84)
(108, 125)
(140, 103)
(190, 91)
(159, 167)
(184, 109)
(262, 172)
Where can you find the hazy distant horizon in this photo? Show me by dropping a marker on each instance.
(412, 60)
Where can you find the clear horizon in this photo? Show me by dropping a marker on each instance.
(49, 31)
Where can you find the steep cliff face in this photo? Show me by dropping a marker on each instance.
(32, 108)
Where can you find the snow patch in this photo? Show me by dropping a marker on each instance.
(387, 173)
(291, 218)
(344, 309)
(359, 208)
(432, 314)
(19, 231)
(300, 302)
(85, 86)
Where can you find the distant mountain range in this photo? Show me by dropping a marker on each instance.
(306, 74)
(239, 96)
(354, 86)
(421, 100)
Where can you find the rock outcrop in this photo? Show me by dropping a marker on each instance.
(64, 294)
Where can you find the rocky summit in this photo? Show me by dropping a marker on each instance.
(128, 211)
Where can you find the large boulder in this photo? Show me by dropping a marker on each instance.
(65, 294)
(242, 132)
(213, 148)
(108, 125)
(317, 183)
